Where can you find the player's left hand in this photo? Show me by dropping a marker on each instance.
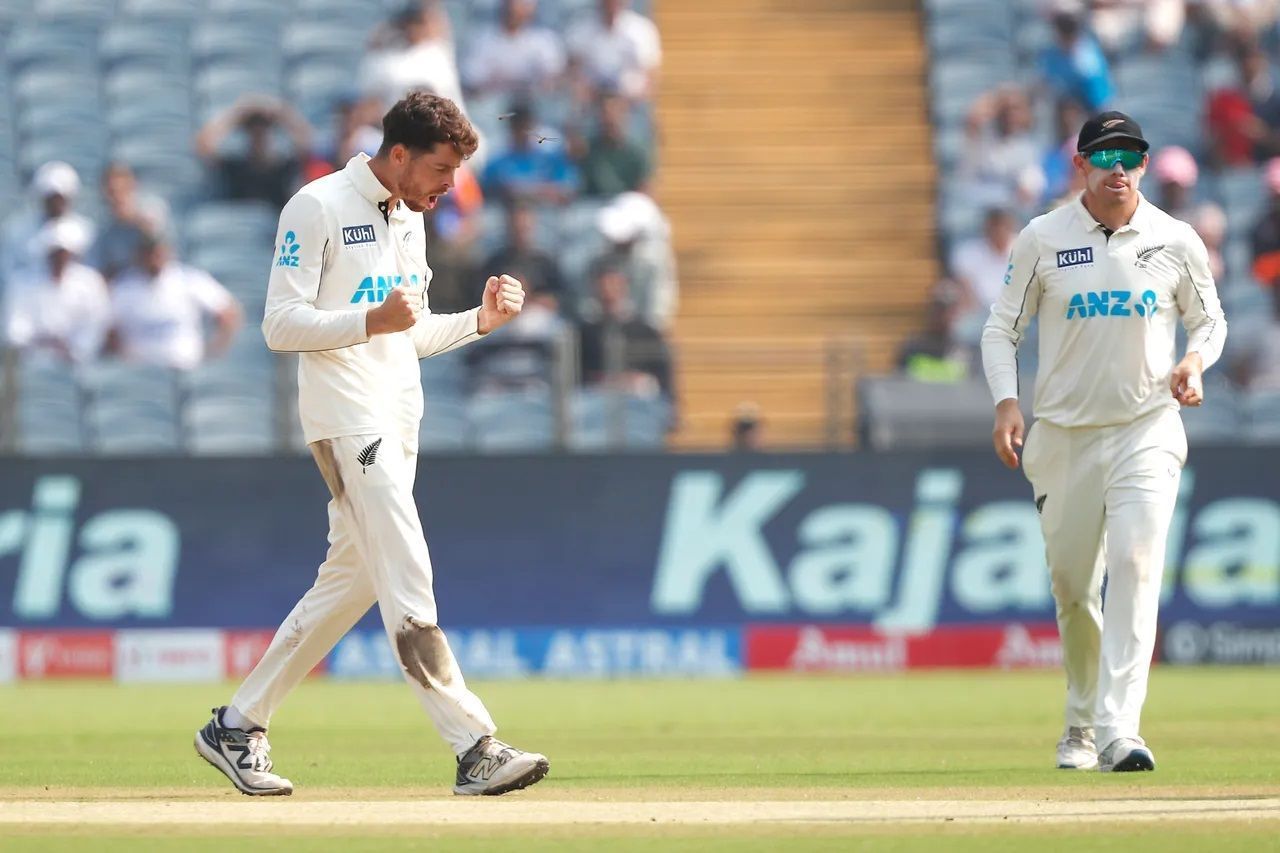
(503, 300)
(1187, 382)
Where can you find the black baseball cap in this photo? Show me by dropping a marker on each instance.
(1106, 129)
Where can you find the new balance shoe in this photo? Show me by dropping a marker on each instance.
(1126, 755)
(243, 755)
(1077, 749)
(492, 767)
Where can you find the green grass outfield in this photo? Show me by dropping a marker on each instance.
(911, 738)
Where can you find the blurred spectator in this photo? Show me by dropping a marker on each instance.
(1122, 24)
(619, 349)
(55, 186)
(522, 258)
(1266, 233)
(1255, 363)
(357, 127)
(1002, 158)
(60, 309)
(159, 308)
(1074, 64)
(935, 355)
(1244, 118)
(515, 57)
(614, 163)
(1238, 19)
(617, 49)
(131, 217)
(521, 355)
(414, 52)
(979, 264)
(452, 229)
(530, 168)
(1056, 164)
(746, 430)
(1176, 174)
(639, 242)
(1210, 222)
(259, 171)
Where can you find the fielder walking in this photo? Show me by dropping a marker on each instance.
(348, 291)
(1110, 275)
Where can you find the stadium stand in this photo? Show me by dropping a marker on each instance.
(91, 82)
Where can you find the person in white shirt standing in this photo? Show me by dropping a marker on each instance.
(617, 49)
(1110, 275)
(160, 306)
(62, 311)
(348, 291)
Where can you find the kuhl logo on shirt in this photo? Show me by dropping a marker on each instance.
(1075, 257)
(375, 288)
(354, 235)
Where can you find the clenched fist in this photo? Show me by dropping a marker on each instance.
(398, 312)
(503, 300)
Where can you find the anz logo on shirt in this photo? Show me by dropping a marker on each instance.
(1111, 303)
(375, 288)
(289, 251)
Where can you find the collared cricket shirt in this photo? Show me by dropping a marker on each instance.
(1108, 308)
(339, 252)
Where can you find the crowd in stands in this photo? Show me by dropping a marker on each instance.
(558, 196)
(1200, 75)
(76, 292)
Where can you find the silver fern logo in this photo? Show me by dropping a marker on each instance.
(1145, 256)
(369, 455)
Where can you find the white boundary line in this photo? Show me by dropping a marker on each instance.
(568, 812)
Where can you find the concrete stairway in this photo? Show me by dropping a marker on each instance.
(795, 167)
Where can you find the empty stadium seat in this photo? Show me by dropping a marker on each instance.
(898, 413)
(445, 427)
(507, 422)
(1261, 410)
(609, 420)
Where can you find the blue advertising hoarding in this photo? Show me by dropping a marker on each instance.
(902, 542)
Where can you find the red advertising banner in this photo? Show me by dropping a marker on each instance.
(813, 648)
(241, 651)
(66, 654)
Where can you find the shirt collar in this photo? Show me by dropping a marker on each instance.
(1141, 220)
(364, 180)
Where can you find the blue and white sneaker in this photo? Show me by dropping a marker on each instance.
(1126, 755)
(1077, 750)
(243, 755)
(492, 767)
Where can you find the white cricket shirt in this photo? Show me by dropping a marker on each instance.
(160, 319)
(1108, 311)
(70, 316)
(338, 255)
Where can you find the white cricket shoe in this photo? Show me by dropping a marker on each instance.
(1077, 749)
(243, 755)
(492, 767)
(1125, 755)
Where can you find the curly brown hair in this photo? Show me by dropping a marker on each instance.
(422, 119)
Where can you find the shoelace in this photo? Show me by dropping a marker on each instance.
(259, 752)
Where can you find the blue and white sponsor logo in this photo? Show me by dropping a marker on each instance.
(355, 235)
(1075, 257)
(1112, 303)
(374, 288)
(558, 653)
(289, 251)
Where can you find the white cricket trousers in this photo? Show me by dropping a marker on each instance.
(1106, 497)
(377, 552)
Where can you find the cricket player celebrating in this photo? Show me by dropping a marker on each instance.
(348, 292)
(1109, 274)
